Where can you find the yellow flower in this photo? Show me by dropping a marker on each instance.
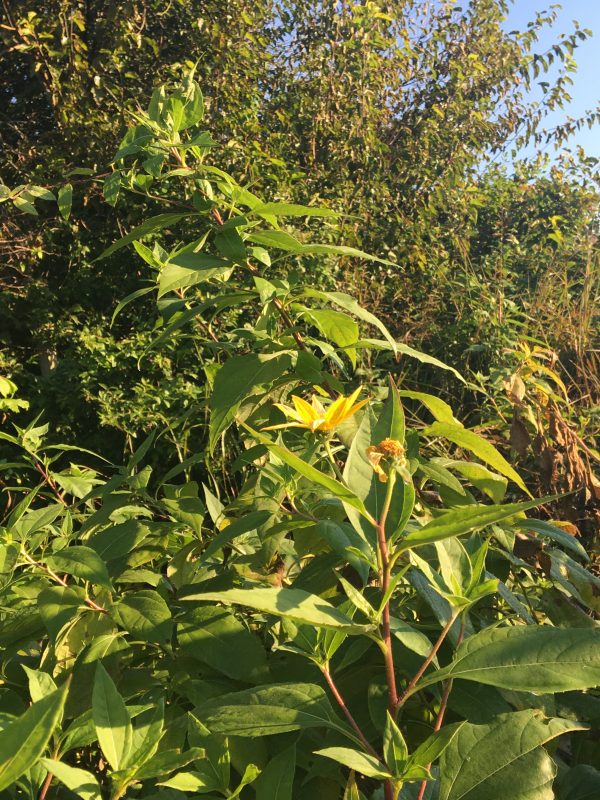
(317, 418)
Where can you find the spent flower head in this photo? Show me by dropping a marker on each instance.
(391, 452)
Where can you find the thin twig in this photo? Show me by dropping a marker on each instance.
(87, 600)
(44, 473)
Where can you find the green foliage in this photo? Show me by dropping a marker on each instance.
(337, 610)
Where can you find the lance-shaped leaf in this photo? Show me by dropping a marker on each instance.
(337, 488)
(150, 225)
(276, 781)
(269, 710)
(79, 781)
(527, 658)
(23, 741)
(503, 759)
(361, 478)
(236, 380)
(465, 520)
(111, 720)
(362, 763)
(296, 604)
(476, 444)
(81, 562)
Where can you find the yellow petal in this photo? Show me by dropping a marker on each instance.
(284, 425)
(318, 406)
(290, 412)
(318, 425)
(335, 412)
(305, 411)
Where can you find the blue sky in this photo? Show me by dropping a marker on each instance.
(586, 83)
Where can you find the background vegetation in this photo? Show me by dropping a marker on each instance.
(403, 123)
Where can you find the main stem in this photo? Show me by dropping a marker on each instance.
(384, 582)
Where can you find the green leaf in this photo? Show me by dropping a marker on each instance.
(119, 540)
(79, 781)
(503, 759)
(348, 303)
(129, 299)
(24, 205)
(236, 380)
(40, 683)
(111, 188)
(41, 192)
(433, 747)
(238, 527)
(395, 751)
(361, 478)
(189, 269)
(34, 521)
(276, 781)
(167, 761)
(481, 477)
(413, 639)
(216, 765)
(334, 486)
(9, 555)
(553, 532)
(145, 615)
(231, 245)
(147, 735)
(81, 562)
(578, 783)
(527, 658)
(58, 605)
(295, 604)
(291, 210)
(469, 440)
(341, 329)
(23, 740)
(214, 636)
(438, 407)
(285, 241)
(111, 720)
(65, 200)
(269, 710)
(464, 520)
(406, 350)
(150, 225)
(363, 763)
(192, 101)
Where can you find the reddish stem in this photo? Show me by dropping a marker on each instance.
(45, 786)
(87, 600)
(415, 679)
(443, 706)
(44, 473)
(347, 713)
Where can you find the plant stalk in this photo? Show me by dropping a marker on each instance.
(443, 704)
(347, 713)
(384, 581)
(418, 675)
